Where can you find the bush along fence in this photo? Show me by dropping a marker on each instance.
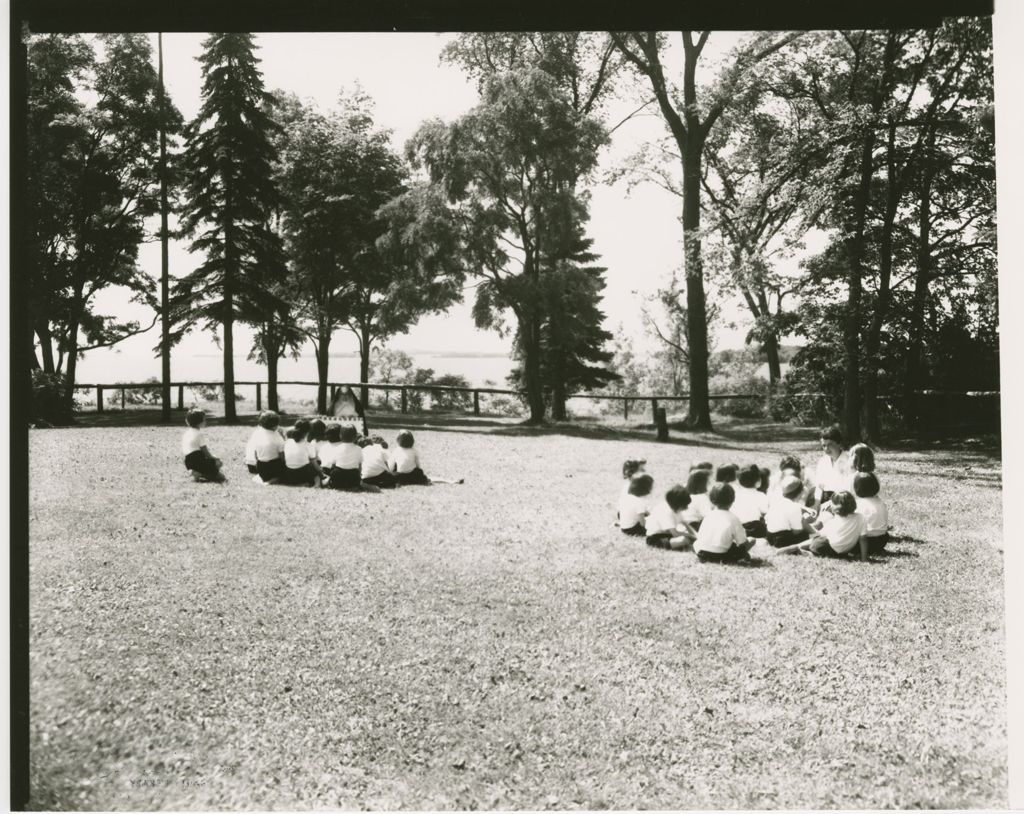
(922, 411)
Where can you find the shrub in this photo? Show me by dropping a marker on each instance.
(450, 400)
(745, 381)
(48, 399)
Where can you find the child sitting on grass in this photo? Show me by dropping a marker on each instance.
(750, 504)
(726, 473)
(301, 468)
(697, 488)
(721, 537)
(314, 438)
(874, 510)
(346, 458)
(842, 531)
(635, 505)
(405, 463)
(267, 445)
(630, 467)
(198, 458)
(785, 521)
(375, 470)
(665, 525)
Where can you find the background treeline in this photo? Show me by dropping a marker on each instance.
(876, 145)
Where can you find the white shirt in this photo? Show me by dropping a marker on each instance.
(296, 453)
(192, 440)
(699, 508)
(375, 460)
(832, 476)
(314, 448)
(876, 515)
(347, 456)
(662, 518)
(404, 460)
(632, 510)
(750, 504)
(783, 515)
(268, 445)
(720, 529)
(327, 453)
(843, 533)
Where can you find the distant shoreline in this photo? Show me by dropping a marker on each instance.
(355, 355)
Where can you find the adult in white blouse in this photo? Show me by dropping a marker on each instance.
(832, 474)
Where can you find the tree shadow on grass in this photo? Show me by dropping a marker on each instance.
(889, 554)
(905, 538)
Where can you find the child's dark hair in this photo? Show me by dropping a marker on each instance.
(641, 484)
(843, 504)
(631, 466)
(865, 484)
(677, 498)
(792, 488)
(364, 441)
(317, 428)
(791, 462)
(299, 430)
(349, 434)
(749, 476)
(722, 496)
(832, 433)
(332, 434)
(726, 473)
(766, 479)
(862, 458)
(405, 439)
(195, 417)
(379, 441)
(269, 420)
(697, 482)
(710, 467)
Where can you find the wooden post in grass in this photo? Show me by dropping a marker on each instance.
(405, 401)
(259, 396)
(122, 399)
(654, 409)
(476, 402)
(625, 409)
(99, 399)
(181, 397)
(661, 421)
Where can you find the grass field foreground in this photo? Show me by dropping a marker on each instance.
(498, 644)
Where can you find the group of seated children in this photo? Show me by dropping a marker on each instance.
(837, 513)
(312, 453)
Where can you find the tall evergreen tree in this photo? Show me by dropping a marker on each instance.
(229, 197)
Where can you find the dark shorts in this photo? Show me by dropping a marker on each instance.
(778, 539)
(734, 554)
(877, 544)
(755, 528)
(302, 476)
(636, 531)
(268, 470)
(253, 469)
(197, 462)
(659, 540)
(385, 480)
(824, 549)
(414, 478)
(344, 479)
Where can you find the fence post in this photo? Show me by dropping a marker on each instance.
(334, 392)
(122, 399)
(405, 401)
(181, 397)
(661, 420)
(625, 409)
(654, 409)
(99, 399)
(476, 402)
(259, 397)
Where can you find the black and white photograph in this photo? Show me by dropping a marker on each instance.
(510, 413)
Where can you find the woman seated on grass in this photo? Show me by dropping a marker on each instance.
(842, 531)
(198, 458)
(665, 526)
(635, 505)
(721, 537)
(832, 472)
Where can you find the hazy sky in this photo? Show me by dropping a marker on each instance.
(636, 233)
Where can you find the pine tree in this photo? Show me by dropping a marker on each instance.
(229, 195)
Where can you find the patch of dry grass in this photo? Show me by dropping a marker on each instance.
(497, 644)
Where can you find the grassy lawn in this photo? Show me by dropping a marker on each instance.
(499, 644)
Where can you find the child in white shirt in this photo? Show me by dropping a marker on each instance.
(346, 460)
(665, 525)
(750, 504)
(314, 438)
(198, 458)
(785, 521)
(842, 532)
(721, 537)
(301, 468)
(874, 510)
(635, 505)
(375, 471)
(405, 463)
(700, 506)
(267, 446)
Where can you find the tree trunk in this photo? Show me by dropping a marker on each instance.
(771, 350)
(46, 348)
(230, 270)
(364, 365)
(272, 354)
(914, 373)
(165, 317)
(69, 374)
(558, 411)
(532, 370)
(322, 362)
(699, 415)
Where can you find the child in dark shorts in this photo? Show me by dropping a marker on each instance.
(634, 506)
(405, 463)
(375, 470)
(721, 537)
(198, 458)
(665, 525)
